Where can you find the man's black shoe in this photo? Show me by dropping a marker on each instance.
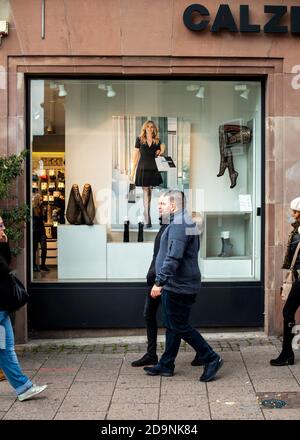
(158, 370)
(197, 361)
(283, 359)
(211, 369)
(45, 268)
(145, 360)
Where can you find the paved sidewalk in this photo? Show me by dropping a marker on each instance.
(88, 380)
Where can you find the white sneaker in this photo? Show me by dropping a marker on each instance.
(31, 392)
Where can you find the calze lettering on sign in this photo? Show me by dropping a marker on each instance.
(197, 18)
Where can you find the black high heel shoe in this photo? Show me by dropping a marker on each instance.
(283, 359)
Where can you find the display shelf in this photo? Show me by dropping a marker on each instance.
(235, 225)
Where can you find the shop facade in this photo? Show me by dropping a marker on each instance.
(79, 81)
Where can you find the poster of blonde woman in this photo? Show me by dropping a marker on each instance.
(150, 155)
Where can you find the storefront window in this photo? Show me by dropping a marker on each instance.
(96, 181)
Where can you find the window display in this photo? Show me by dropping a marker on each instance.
(131, 144)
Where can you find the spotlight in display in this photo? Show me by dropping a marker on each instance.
(200, 93)
(61, 90)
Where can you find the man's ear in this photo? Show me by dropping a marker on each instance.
(173, 207)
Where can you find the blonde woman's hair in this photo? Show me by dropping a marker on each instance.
(143, 135)
(36, 204)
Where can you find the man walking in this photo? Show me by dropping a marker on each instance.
(152, 305)
(178, 281)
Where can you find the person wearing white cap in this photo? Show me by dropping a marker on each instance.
(286, 356)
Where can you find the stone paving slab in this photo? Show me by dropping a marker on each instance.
(238, 411)
(132, 411)
(267, 385)
(85, 403)
(91, 389)
(190, 409)
(91, 375)
(133, 381)
(182, 388)
(282, 414)
(14, 414)
(6, 402)
(136, 395)
(69, 415)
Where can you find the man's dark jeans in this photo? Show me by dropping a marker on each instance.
(176, 312)
(150, 312)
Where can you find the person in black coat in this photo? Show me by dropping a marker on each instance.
(150, 311)
(39, 233)
(286, 356)
(9, 363)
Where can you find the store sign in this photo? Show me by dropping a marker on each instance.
(196, 17)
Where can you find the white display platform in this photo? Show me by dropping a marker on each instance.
(81, 251)
(226, 268)
(128, 260)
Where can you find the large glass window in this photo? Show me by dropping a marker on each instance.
(96, 180)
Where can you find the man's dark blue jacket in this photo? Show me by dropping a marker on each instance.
(176, 265)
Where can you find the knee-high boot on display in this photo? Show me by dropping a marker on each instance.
(226, 245)
(141, 232)
(88, 201)
(286, 356)
(126, 231)
(82, 210)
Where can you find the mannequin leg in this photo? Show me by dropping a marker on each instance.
(232, 173)
(223, 159)
(147, 205)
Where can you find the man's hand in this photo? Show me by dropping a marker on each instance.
(155, 291)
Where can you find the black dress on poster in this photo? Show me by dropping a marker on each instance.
(147, 174)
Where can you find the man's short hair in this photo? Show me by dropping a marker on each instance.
(177, 197)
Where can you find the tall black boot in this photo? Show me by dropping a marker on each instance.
(226, 244)
(286, 356)
(227, 248)
(126, 231)
(141, 232)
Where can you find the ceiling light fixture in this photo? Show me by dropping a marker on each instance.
(110, 92)
(200, 93)
(245, 94)
(61, 90)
